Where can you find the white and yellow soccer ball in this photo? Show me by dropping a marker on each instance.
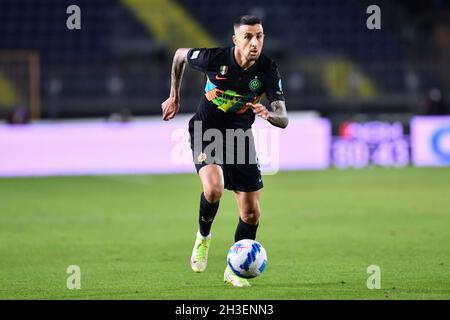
(247, 258)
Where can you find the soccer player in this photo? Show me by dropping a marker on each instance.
(236, 78)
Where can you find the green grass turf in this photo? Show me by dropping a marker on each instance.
(132, 236)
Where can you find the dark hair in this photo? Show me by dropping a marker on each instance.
(247, 20)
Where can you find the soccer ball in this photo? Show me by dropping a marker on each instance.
(247, 258)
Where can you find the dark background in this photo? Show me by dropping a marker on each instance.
(119, 62)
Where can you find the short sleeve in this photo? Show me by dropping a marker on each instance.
(198, 58)
(274, 88)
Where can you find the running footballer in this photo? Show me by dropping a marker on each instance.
(236, 79)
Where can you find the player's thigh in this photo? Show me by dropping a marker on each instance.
(212, 179)
(248, 203)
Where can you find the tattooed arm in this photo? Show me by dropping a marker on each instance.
(171, 106)
(277, 117)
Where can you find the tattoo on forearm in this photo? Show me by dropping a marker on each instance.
(278, 115)
(178, 66)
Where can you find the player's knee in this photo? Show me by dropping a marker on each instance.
(213, 193)
(251, 216)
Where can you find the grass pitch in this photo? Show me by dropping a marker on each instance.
(132, 236)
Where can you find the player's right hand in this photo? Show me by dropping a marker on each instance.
(169, 108)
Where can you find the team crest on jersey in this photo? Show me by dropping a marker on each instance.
(223, 70)
(255, 84)
(201, 157)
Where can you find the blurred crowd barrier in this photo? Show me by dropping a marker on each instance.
(152, 146)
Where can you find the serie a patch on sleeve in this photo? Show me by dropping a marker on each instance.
(195, 54)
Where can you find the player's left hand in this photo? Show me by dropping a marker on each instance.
(260, 110)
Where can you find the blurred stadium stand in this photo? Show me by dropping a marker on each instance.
(119, 62)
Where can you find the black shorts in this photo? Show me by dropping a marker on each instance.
(238, 176)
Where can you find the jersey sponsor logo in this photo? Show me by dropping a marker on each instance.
(221, 78)
(195, 54)
(229, 100)
(255, 84)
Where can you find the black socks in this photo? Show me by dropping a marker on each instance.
(245, 231)
(207, 213)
